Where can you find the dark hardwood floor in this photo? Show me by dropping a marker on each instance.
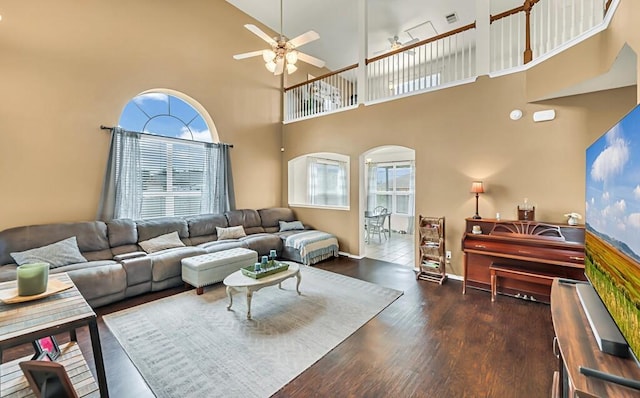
(431, 342)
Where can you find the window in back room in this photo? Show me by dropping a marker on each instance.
(319, 180)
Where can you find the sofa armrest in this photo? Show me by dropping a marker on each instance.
(138, 270)
(127, 256)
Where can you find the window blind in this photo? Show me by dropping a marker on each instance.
(172, 176)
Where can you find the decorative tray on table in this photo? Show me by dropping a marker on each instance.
(10, 296)
(251, 273)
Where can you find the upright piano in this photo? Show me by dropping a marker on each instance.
(530, 251)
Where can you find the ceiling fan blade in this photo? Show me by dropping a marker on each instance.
(258, 32)
(310, 60)
(248, 55)
(304, 38)
(279, 66)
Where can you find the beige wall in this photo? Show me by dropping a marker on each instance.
(69, 66)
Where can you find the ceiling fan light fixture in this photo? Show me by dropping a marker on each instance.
(292, 57)
(291, 68)
(271, 66)
(268, 55)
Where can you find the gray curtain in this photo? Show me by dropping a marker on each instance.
(122, 187)
(218, 180)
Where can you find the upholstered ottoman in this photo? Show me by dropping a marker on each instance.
(207, 269)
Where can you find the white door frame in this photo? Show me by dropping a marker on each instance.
(362, 194)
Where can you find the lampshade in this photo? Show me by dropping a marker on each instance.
(268, 55)
(271, 66)
(292, 57)
(476, 187)
(291, 68)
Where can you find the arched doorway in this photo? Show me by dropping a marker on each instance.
(387, 204)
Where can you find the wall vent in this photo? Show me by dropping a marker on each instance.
(451, 18)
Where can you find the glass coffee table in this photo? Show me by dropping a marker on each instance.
(237, 282)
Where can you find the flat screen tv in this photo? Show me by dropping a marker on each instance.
(612, 238)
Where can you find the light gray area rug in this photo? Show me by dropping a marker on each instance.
(190, 346)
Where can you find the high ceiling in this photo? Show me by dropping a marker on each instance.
(337, 22)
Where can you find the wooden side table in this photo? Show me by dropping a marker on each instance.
(62, 312)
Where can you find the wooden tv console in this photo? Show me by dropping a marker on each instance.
(575, 346)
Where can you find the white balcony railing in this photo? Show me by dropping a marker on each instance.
(427, 64)
(552, 23)
(515, 37)
(329, 93)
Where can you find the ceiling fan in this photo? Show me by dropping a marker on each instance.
(283, 52)
(397, 44)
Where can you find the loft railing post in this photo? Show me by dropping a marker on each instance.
(528, 54)
(361, 73)
(483, 37)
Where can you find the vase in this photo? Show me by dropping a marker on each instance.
(32, 278)
(572, 221)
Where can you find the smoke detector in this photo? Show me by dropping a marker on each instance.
(451, 18)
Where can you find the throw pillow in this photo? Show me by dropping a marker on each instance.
(290, 226)
(57, 254)
(231, 232)
(166, 241)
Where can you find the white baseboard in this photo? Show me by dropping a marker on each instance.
(455, 277)
(345, 254)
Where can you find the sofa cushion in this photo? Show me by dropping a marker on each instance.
(91, 236)
(271, 217)
(166, 241)
(263, 243)
(122, 232)
(230, 232)
(219, 245)
(56, 254)
(96, 280)
(205, 224)
(248, 218)
(148, 229)
(166, 263)
(83, 265)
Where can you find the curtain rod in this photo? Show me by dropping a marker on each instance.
(102, 127)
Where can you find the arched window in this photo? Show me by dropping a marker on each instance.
(164, 114)
(164, 162)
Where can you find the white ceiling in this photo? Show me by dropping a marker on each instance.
(337, 22)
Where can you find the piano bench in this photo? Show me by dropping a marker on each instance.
(507, 271)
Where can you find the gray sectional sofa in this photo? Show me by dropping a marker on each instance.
(117, 268)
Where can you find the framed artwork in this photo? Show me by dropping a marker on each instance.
(48, 379)
(47, 345)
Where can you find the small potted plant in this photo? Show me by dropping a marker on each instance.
(572, 218)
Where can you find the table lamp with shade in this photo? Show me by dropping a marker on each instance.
(477, 188)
